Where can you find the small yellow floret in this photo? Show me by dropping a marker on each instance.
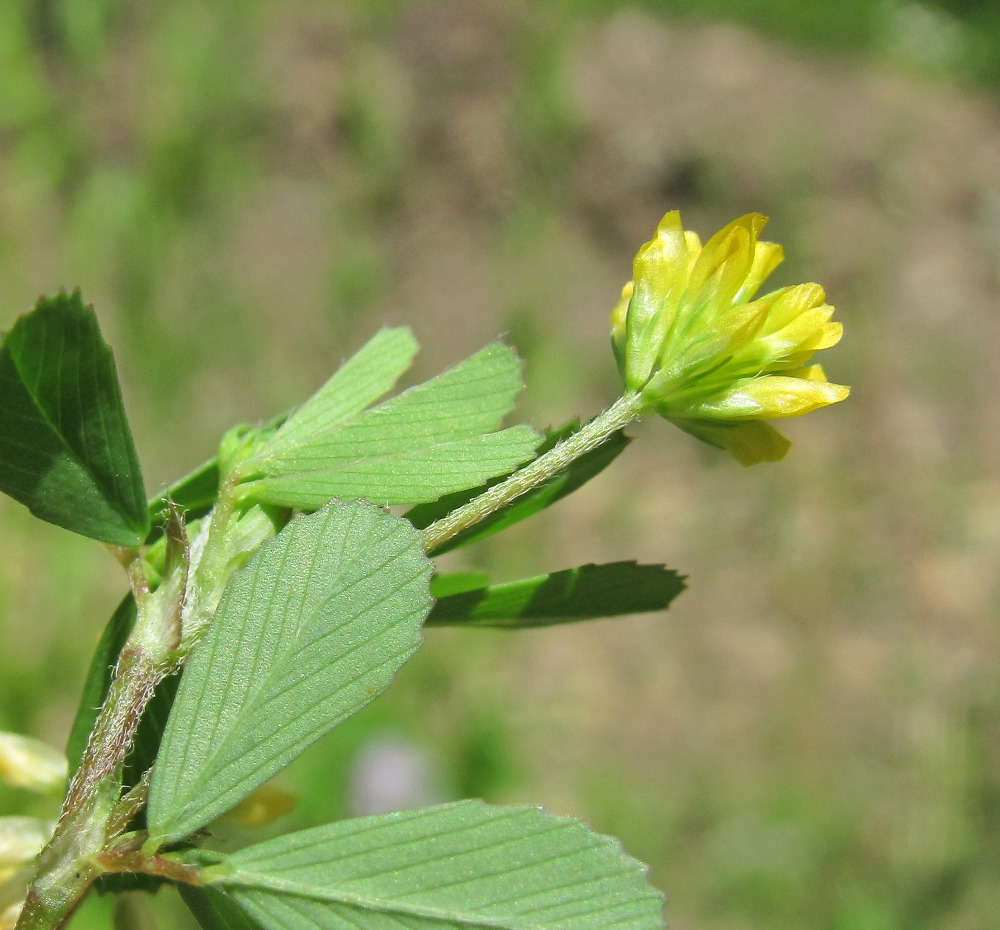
(690, 338)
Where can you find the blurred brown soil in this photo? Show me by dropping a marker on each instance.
(840, 626)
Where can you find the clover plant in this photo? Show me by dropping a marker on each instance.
(272, 594)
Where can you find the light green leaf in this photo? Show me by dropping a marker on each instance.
(66, 451)
(361, 381)
(358, 383)
(306, 634)
(582, 593)
(462, 865)
(432, 439)
(577, 473)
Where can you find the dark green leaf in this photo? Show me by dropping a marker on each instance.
(556, 488)
(560, 597)
(458, 865)
(432, 439)
(65, 447)
(449, 583)
(306, 634)
(214, 910)
(150, 733)
(95, 687)
(194, 494)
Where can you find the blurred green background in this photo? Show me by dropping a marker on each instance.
(246, 190)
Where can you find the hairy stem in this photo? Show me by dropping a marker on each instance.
(94, 813)
(131, 688)
(87, 822)
(622, 412)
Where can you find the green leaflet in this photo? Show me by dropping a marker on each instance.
(358, 383)
(581, 593)
(432, 439)
(66, 451)
(579, 472)
(462, 865)
(362, 380)
(306, 634)
(214, 910)
(195, 495)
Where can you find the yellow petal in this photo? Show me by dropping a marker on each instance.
(810, 331)
(660, 276)
(693, 243)
(724, 263)
(29, 763)
(738, 326)
(749, 443)
(660, 269)
(618, 320)
(831, 335)
(793, 301)
(810, 373)
(780, 396)
(766, 257)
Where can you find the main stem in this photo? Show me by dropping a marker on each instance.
(592, 434)
(63, 875)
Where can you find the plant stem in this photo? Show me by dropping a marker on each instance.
(622, 412)
(87, 821)
(94, 812)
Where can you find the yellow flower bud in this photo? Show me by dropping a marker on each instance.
(690, 338)
(21, 839)
(261, 806)
(30, 763)
(9, 915)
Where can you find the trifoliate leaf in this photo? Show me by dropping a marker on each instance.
(578, 472)
(463, 865)
(432, 439)
(306, 634)
(581, 593)
(356, 385)
(65, 447)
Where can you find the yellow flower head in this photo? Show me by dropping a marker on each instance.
(691, 340)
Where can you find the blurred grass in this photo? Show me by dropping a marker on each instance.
(246, 191)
